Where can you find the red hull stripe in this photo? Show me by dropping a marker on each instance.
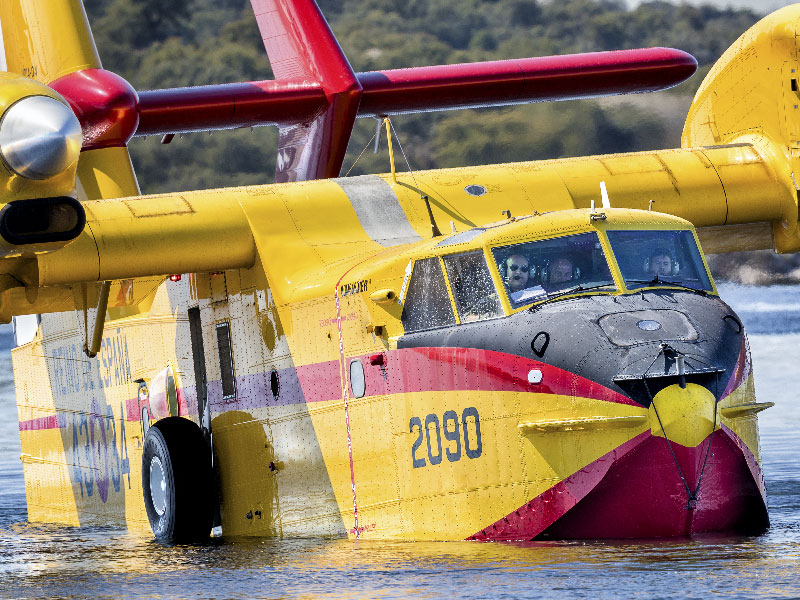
(408, 370)
(132, 410)
(131, 414)
(530, 520)
(642, 495)
(752, 464)
(454, 369)
(411, 370)
(742, 370)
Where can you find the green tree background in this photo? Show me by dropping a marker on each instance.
(156, 44)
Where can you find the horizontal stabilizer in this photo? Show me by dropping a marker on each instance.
(419, 89)
(316, 96)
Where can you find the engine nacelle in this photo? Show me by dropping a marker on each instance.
(40, 142)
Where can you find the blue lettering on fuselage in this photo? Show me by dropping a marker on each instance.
(72, 371)
(113, 355)
(99, 455)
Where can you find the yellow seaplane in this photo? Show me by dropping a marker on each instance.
(507, 352)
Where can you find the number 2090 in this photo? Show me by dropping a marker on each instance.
(451, 428)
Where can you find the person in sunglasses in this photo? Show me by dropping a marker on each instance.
(519, 277)
(517, 272)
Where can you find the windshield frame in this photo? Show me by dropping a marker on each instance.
(587, 288)
(617, 283)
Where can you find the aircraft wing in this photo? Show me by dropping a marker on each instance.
(736, 171)
(321, 223)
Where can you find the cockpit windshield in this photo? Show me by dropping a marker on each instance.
(535, 271)
(648, 258)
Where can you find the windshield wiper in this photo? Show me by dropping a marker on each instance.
(656, 281)
(572, 290)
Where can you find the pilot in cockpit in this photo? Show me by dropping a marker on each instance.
(519, 277)
(517, 271)
(660, 263)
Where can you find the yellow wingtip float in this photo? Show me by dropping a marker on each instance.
(317, 358)
(751, 97)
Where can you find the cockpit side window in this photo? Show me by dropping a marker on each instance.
(652, 257)
(427, 305)
(473, 289)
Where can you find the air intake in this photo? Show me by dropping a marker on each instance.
(42, 220)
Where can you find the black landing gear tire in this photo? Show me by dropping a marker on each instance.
(177, 482)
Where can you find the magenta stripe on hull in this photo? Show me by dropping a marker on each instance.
(50, 422)
(531, 519)
(404, 371)
(635, 491)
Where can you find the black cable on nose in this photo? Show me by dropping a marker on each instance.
(670, 353)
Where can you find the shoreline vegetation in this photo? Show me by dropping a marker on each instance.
(156, 44)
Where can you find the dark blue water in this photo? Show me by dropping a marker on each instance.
(46, 561)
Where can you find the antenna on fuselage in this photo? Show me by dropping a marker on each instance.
(594, 215)
(604, 195)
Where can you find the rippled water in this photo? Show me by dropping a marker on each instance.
(45, 561)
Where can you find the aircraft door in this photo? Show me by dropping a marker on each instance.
(199, 358)
(203, 404)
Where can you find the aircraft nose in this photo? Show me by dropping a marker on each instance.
(685, 416)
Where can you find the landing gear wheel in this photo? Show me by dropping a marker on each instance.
(177, 482)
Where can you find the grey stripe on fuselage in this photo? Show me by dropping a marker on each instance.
(378, 210)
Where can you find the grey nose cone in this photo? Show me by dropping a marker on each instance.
(39, 137)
